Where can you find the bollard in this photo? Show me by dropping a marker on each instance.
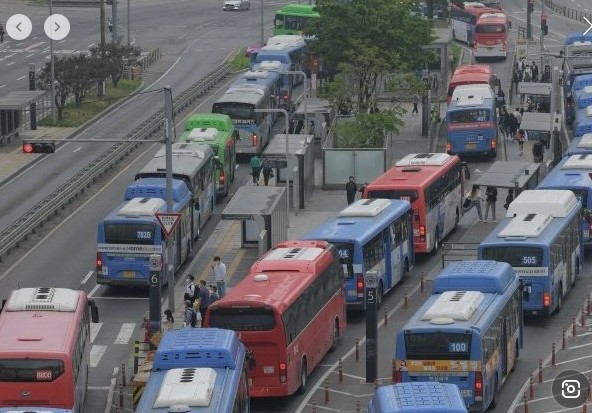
(589, 398)
(553, 355)
(136, 356)
(574, 329)
(405, 298)
(385, 315)
(583, 318)
(357, 350)
(421, 283)
(340, 376)
(588, 306)
(531, 387)
(525, 403)
(563, 341)
(585, 408)
(357, 406)
(314, 406)
(540, 371)
(394, 371)
(123, 378)
(326, 392)
(121, 396)
(375, 385)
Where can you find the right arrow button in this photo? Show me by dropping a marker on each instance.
(589, 25)
(56, 27)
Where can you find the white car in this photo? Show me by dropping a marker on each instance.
(230, 5)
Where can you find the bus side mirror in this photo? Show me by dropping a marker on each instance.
(94, 311)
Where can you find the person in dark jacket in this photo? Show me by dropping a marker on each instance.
(490, 200)
(350, 190)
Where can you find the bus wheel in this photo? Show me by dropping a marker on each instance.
(436, 243)
(493, 401)
(335, 336)
(453, 34)
(198, 233)
(303, 377)
(559, 301)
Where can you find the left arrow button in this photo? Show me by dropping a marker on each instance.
(18, 26)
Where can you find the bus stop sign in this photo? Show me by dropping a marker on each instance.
(168, 221)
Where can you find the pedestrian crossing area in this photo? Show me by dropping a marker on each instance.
(102, 344)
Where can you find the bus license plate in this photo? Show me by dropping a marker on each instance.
(352, 293)
(467, 393)
(129, 274)
(471, 145)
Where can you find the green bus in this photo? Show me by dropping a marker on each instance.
(293, 18)
(217, 131)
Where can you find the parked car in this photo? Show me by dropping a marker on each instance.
(230, 5)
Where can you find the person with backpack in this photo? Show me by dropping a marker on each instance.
(189, 316)
(214, 294)
(190, 294)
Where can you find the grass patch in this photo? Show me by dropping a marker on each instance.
(75, 116)
(240, 61)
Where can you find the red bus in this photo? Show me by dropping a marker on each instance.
(491, 36)
(45, 348)
(289, 311)
(433, 184)
(471, 75)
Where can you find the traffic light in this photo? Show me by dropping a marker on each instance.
(530, 6)
(544, 27)
(38, 147)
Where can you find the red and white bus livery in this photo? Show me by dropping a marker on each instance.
(491, 36)
(289, 311)
(45, 349)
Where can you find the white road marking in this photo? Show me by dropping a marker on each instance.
(125, 333)
(33, 46)
(77, 149)
(87, 277)
(10, 64)
(94, 330)
(21, 78)
(96, 353)
(94, 290)
(104, 388)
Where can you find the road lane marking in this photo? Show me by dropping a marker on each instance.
(21, 78)
(125, 333)
(87, 277)
(33, 46)
(96, 353)
(94, 331)
(93, 291)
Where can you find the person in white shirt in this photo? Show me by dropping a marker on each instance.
(219, 269)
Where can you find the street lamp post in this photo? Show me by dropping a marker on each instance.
(128, 23)
(262, 23)
(288, 171)
(52, 74)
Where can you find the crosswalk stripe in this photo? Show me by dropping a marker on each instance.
(96, 353)
(125, 333)
(94, 330)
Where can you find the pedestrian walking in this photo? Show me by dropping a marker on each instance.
(416, 101)
(189, 316)
(350, 190)
(535, 72)
(521, 136)
(204, 298)
(267, 171)
(476, 201)
(490, 200)
(509, 198)
(190, 294)
(255, 164)
(219, 269)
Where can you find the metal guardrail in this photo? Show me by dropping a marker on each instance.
(568, 12)
(458, 251)
(46, 208)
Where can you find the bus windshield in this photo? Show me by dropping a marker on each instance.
(30, 370)
(516, 256)
(120, 233)
(235, 110)
(438, 346)
(243, 318)
(346, 257)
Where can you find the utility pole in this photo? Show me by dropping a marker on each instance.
(529, 10)
(114, 20)
(168, 136)
(52, 64)
(262, 40)
(543, 18)
(102, 22)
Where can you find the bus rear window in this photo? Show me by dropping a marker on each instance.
(243, 319)
(403, 195)
(346, 257)
(236, 110)
(142, 234)
(30, 370)
(515, 256)
(469, 116)
(490, 28)
(438, 346)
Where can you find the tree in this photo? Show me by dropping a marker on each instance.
(371, 37)
(368, 130)
(113, 57)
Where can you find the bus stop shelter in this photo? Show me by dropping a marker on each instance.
(14, 108)
(539, 126)
(514, 175)
(264, 215)
(539, 93)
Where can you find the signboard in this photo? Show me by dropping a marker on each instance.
(168, 221)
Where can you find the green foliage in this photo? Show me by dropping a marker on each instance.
(368, 130)
(113, 57)
(455, 56)
(407, 84)
(241, 61)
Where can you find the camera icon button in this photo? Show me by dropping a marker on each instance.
(570, 389)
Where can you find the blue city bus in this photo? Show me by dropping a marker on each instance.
(198, 370)
(258, 79)
(424, 397)
(472, 126)
(130, 234)
(370, 235)
(574, 173)
(582, 123)
(541, 238)
(582, 97)
(581, 145)
(288, 49)
(240, 102)
(577, 38)
(194, 164)
(469, 332)
(285, 79)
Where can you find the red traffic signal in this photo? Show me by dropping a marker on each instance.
(38, 147)
(530, 6)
